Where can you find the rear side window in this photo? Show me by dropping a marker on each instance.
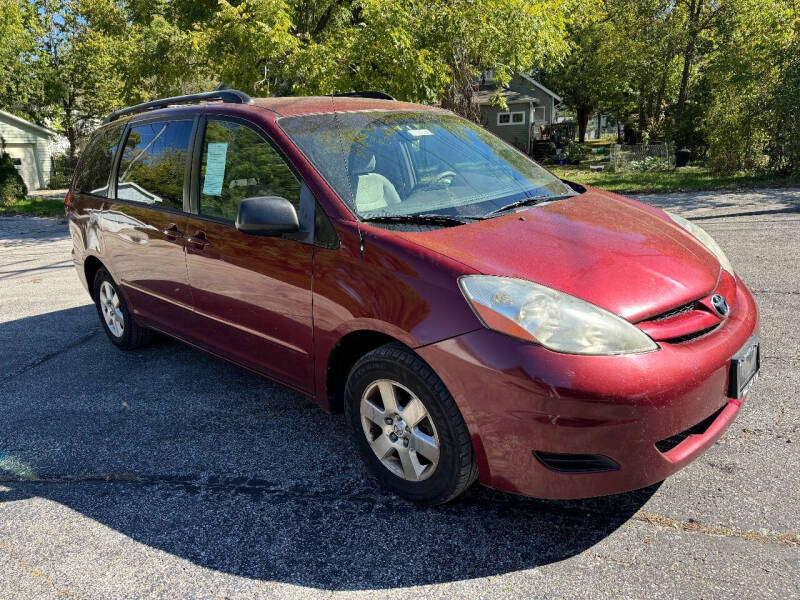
(96, 161)
(238, 163)
(153, 164)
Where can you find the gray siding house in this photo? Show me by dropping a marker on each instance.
(29, 146)
(531, 109)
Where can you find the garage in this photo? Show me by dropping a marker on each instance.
(29, 147)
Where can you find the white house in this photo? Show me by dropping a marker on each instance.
(30, 147)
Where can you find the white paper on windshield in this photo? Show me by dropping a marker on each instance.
(215, 168)
(420, 132)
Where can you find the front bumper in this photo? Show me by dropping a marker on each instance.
(518, 398)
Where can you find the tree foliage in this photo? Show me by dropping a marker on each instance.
(718, 76)
(751, 117)
(17, 53)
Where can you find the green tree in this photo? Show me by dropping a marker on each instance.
(751, 118)
(17, 49)
(79, 63)
(420, 51)
(597, 74)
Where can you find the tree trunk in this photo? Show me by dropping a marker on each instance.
(584, 112)
(662, 90)
(71, 132)
(695, 8)
(642, 110)
(684, 89)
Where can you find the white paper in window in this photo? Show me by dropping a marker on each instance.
(215, 168)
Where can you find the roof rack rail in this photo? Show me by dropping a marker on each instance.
(229, 96)
(366, 94)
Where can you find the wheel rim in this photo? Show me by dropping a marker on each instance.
(399, 430)
(109, 306)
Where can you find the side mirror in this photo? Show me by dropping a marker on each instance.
(267, 215)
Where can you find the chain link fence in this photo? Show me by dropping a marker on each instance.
(642, 157)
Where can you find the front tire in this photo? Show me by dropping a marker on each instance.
(407, 426)
(116, 319)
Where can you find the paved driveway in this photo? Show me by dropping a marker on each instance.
(168, 473)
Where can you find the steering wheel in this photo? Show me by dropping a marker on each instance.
(441, 177)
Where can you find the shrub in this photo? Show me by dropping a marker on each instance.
(12, 188)
(574, 153)
(783, 128)
(736, 137)
(650, 163)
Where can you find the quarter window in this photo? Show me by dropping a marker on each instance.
(239, 163)
(154, 163)
(95, 170)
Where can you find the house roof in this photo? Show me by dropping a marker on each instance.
(484, 96)
(541, 87)
(485, 93)
(20, 122)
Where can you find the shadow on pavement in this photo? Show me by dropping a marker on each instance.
(762, 202)
(197, 458)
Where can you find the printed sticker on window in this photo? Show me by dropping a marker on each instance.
(215, 168)
(419, 132)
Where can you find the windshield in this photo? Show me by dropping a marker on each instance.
(410, 163)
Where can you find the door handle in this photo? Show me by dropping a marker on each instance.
(198, 241)
(171, 232)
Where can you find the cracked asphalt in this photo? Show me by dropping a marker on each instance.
(167, 473)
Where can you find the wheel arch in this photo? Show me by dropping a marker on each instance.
(91, 265)
(345, 353)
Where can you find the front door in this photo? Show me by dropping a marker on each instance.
(144, 228)
(252, 294)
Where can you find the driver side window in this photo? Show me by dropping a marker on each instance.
(239, 163)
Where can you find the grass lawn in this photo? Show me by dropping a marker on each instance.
(34, 207)
(680, 180)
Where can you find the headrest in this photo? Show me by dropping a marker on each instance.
(361, 161)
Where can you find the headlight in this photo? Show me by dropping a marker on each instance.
(553, 319)
(705, 239)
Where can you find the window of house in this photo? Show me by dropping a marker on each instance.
(153, 164)
(96, 161)
(239, 163)
(511, 118)
(538, 114)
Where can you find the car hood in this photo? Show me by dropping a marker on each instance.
(624, 256)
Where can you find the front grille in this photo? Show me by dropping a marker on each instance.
(576, 463)
(700, 428)
(676, 312)
(682, 339)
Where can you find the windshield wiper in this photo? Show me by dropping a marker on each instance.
(526, 202)
(421, 218)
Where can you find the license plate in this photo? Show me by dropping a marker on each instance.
(744, 368)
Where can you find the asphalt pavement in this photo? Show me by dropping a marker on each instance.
(167, 473)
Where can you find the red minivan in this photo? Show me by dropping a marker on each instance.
(474, 316)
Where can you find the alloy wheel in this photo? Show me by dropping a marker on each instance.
(109, 305)
(399, 430)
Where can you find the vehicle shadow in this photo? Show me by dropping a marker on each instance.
(195, 457)
(714, 204)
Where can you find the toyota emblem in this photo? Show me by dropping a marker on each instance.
(720, 306)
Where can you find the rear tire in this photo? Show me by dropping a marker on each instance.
(407, 426)
(116, 319)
